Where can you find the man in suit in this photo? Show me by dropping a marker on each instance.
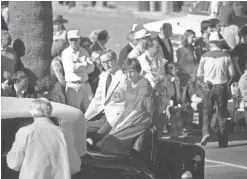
(108, 103)
(127, 49)
(165, 42)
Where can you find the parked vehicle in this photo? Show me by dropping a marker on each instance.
(202, 11)
(151, 158)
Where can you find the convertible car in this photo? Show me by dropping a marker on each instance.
(150, 158)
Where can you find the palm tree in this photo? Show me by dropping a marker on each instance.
(30, 26)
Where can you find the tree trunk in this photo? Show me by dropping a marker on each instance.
(30, 26)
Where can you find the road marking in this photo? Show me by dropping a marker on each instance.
(227, 164)
(211, 166)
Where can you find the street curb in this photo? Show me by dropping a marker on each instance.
(230, 144)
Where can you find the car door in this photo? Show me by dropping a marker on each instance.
(9, 127)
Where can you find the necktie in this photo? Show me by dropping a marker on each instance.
(108, 82)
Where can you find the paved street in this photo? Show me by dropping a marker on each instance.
(229, 163)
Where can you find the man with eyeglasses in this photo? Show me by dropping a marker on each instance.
(107, 106)
(77, 65)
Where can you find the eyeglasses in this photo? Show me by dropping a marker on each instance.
(107, 61)
(73, 39)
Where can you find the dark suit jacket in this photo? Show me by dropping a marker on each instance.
(123, 54)
(168, 55)
(95, 46)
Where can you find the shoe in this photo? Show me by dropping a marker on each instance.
(204, 140)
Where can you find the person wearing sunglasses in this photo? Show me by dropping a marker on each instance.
(77, 65)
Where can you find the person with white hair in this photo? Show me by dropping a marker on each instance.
(43, 150)
(214, 70)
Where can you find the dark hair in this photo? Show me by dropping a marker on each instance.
(133, 63)
(166, 66)
(165, 25)
(214, 22)
(45, 84)
(18, 76)
(205, 24)
(103, 35)
(243, 30)
(187, 33)
(130, 36)
(110, 53)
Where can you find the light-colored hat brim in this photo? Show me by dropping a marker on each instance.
(146, 35)
(64, 21)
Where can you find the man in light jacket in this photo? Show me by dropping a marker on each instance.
(107, 106)
(42, 150)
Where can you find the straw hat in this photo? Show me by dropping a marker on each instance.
(141, 34)
(60, 19)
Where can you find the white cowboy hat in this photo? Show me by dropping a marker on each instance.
(137, 27)
(73, 34)
(141, 34)
(215, 37)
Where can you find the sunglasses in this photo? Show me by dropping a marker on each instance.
(73, 39)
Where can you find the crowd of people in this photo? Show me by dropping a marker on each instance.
(122, 95)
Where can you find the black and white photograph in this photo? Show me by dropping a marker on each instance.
(124, 89)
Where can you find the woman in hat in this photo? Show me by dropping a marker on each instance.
(59, 31)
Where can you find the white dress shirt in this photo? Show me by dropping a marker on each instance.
(77, 65)
(42, 150)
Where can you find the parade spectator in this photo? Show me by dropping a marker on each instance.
(77, 65)
(102, 40)
(42, 150)
(93, 36)
(5, 11)
(18, 86)
(243, 84)
(186, 59)
(214, 70)
(165, 41)
(93, 78)
(4, 25)
(58, 72)
(239, 53)
(126, 49)
(217, 27)
(59, 31)
(107, 106)
(86, 44)
(152, 63)
(44, 88)
(8, 57)
(137, 116)
(229, 30)
(201, 44)
(143, 38)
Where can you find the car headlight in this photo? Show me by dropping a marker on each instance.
(187, 175)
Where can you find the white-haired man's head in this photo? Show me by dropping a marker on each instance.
(41, 107)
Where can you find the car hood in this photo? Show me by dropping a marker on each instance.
(180, 24)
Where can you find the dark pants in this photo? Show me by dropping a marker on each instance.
(98, 127)
(218, 95)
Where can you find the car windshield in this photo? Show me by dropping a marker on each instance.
(202, 8)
